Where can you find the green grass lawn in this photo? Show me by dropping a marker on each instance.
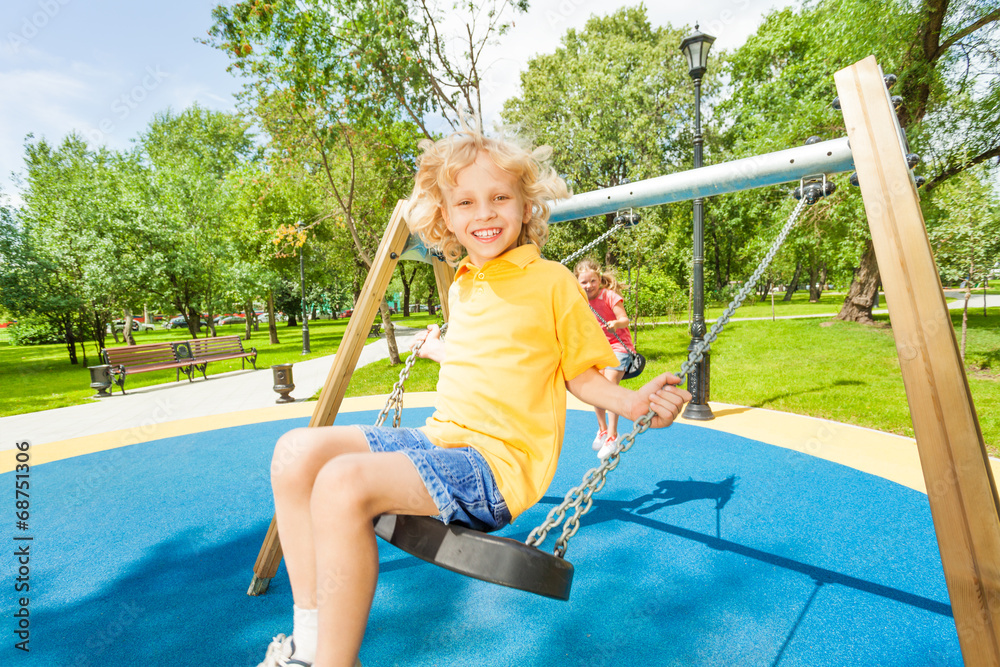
(829, 303)
(40, 377)
(818, 367)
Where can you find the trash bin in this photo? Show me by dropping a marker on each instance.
(283, 383)
(100, 379)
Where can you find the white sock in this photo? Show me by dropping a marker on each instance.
(304, 624)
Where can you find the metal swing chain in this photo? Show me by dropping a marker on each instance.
(595, 242)
(580, 498)
(395, 400)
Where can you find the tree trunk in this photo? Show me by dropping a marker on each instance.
(793, 286)
(406, 288)
(862, 293)
(764, 289)
(965, 315)
(430, 300)
(67, 322)
(817, 281)
(250, 315)
(390, 332)
(272, 328)
(211, 324)
(127, 328)
(193, 320)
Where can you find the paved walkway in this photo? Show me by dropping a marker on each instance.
(236, 391)
(975, 301)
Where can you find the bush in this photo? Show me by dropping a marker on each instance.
(728, 292)
(660, 296)
(34, 332)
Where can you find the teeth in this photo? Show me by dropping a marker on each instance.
(486, 233)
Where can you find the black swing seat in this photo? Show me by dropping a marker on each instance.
(497, 560)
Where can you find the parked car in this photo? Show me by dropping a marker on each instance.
(181, 323)
(230, 319)
(346, 313)
(137, 325)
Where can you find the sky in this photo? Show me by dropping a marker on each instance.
(104, 68)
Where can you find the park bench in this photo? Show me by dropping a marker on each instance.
(204, 350)
(187, 356)
(145, 358)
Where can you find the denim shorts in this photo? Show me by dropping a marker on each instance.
(458, 479)
(623, 359)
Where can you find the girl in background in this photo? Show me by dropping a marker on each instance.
(604, 293)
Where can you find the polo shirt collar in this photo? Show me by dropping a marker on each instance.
(520, 257)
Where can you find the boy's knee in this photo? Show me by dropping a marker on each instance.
(341, 488)
(291, 454)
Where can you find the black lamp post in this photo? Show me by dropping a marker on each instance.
(695, 48)
(302, 282)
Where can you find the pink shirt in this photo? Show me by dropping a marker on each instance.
(604, 303)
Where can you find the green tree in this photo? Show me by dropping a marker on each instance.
(964, 216)
(943, 52)
(188, 157)
(328, 87)
(30, 284)
(79, 220)
(614, 101)
(370, 59)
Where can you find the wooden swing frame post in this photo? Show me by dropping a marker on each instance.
(960, 486)
(332, 395)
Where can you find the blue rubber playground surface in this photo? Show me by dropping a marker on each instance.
(704, 548)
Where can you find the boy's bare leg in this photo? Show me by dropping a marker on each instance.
(349, 492)
(298, 457)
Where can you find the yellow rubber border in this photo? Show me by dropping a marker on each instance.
(889, 456)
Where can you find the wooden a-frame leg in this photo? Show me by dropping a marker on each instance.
(960, 485)
(392, 245)
(444, 275)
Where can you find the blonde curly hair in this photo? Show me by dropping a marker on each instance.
(438, 167)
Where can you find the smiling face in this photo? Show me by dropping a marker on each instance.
(590, 281)
(485, 210)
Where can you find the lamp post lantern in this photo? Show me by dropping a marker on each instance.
(302, 282)
(695, 48)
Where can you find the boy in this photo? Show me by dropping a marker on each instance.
(520, 335)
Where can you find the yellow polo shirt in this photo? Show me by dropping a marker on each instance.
(519, 329)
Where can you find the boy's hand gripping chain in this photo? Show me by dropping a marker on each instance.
(395, 399)
(580, 498)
